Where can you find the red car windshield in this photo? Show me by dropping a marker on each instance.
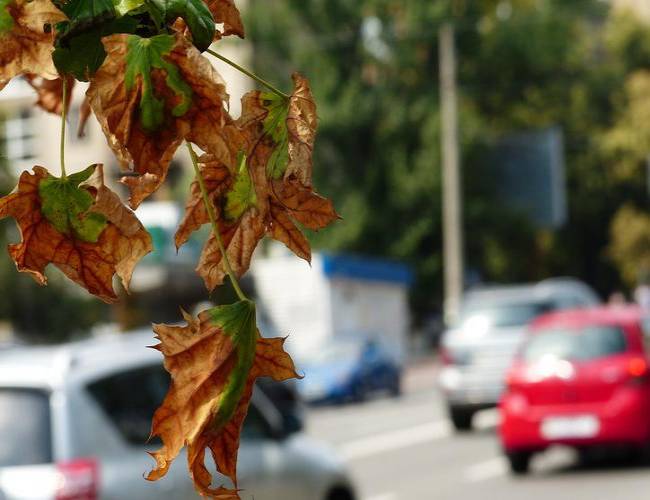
(581, 344)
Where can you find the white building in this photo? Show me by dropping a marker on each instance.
(339, 295)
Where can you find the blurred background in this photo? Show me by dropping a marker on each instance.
(491, 162)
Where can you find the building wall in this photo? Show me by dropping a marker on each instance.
(371, 308)
(296, 297)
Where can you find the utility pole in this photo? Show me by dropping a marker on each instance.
(451, 186)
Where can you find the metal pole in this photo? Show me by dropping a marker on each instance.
(451, 175)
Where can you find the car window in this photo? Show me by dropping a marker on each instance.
(503, 315)
(25, 432)
(130, 398)
(587, 343)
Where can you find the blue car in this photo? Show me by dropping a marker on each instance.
(349, 369)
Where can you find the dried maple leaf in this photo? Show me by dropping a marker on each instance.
(302, 122)
(225, 12)
(25, 45)
(270, 192)
(213, 362)
(77, 224)
(50, 92)
(149, 96)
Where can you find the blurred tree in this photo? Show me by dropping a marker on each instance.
(522, 65)
(630, 246)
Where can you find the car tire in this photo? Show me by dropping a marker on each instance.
(340, 494)
(396, 387)
(519, 462)
(461, 419)
(359, 393)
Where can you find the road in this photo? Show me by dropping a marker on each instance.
(405, 449)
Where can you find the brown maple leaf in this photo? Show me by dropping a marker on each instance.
(77, 224)
(26, 45)
(50, 92)
(218, 179)
(118, 106)
(225, 12)
(302, 122)
(278, 138)
(213, 362)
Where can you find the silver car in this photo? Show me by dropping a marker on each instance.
(477, 351)
(74, 421)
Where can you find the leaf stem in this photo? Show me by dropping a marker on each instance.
(259, 80)
(213, 220)
(64, 113)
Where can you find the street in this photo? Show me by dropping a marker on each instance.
(405, 449)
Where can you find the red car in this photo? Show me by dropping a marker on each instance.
(581, 379)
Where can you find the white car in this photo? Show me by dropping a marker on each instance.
(478, 350)
(75, 419)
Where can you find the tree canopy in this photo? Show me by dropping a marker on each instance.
(523, 65)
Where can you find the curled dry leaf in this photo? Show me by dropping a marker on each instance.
(302, 122)
(25, 44)
(150, 95)
(213, 361)
(77, 224)
(226, 12)
(50, 92)
(269, 193)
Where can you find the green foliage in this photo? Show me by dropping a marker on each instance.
(374, 65)
(144, 54)
(6, 21)
(79, 49)
(195, 13)
(66, 206)
(276, 127)
(630, 246)
(242, 196)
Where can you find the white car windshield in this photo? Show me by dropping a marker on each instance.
(503, 315)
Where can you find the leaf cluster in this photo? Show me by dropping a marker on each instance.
(79, 49)
(151, 89)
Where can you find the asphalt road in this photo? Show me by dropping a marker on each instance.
(405, 449)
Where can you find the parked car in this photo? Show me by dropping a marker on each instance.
(75, 419)
(582, 379)
(477, 351)
(349, 369)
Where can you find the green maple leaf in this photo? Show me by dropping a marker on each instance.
(242, 195)
(196, 14)
(66, 206)
(79, 49)
(87, 12)
(144, 55)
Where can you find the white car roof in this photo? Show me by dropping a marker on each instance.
(531, 292)
(52, 366)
